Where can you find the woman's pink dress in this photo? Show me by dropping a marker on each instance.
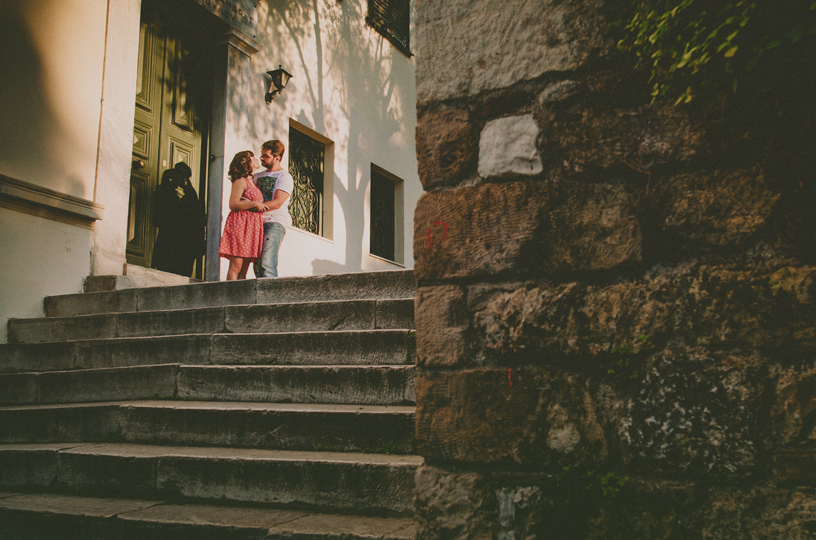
(243, 230)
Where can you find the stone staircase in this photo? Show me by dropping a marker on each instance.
(253, 409)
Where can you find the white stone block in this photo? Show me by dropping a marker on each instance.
(507, 147)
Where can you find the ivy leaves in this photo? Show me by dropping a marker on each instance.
(694, 47)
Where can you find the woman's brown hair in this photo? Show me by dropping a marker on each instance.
(241, 165)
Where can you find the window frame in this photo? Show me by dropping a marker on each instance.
(392, 20)
(397, 216)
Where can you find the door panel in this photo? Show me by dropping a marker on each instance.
(167, 128)
(138, 229)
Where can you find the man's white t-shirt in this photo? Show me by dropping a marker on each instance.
(269, 182)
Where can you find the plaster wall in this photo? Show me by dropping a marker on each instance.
(41, 258)
(51, 58)
(350, 89)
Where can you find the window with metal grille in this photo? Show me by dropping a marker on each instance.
(392, 19)
(383, 218)
(306, 165)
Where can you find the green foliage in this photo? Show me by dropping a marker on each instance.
(693, 47)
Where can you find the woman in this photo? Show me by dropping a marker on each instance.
(243, 231)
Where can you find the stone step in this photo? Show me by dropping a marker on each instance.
(366, 285)
(286, 426)
(294, 317)
(329, 481)
(46, 516)
(367, 347)
(359, 385)
(353, 385)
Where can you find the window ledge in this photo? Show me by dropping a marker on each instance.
(37, 200)
(395, 263)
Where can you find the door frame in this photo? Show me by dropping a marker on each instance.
(233, 49)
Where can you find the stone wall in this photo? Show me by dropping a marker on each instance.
(615, 313)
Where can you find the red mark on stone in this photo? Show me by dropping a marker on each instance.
(510, 377)
(429, 235)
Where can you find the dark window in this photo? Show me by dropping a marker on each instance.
(392, 19)
(383, 219)
(306, 158)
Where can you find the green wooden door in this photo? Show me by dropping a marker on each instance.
(171, 91)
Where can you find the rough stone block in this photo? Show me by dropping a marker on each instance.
(705, 211)
(442, 326)
(695, 414)
(465, 47)
(794, 404)
(760, 512)
(695, 304)
(641, 139)
(454, 505)
(524, 228)
(534, 418)
(507, 147)
(445, 145)
(796, 465)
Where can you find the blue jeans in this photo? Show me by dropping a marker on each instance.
(267, 265)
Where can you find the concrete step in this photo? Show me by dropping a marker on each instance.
(287, 426)
(382, 285)
(346, 482)
(360, 385)
(46, 516)
(368, 347)
(89, 385)
(295, 317)
(135, 276)
(354, 385)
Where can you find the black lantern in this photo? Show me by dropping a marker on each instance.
(277, 79)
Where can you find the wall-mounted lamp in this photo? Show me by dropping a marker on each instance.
(277, 79)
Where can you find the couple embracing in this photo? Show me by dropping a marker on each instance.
(259, 212)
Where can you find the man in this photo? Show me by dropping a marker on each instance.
(276, 185)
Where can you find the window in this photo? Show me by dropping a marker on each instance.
(306, 165)
(392, 19)
(386, 234)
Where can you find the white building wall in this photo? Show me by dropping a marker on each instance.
(41, 258)
(52, 56)
(50, 92)
(351, 87)
(66, 117)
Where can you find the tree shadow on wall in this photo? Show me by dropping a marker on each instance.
(359, 64)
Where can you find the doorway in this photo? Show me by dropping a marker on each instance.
(172, 108)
